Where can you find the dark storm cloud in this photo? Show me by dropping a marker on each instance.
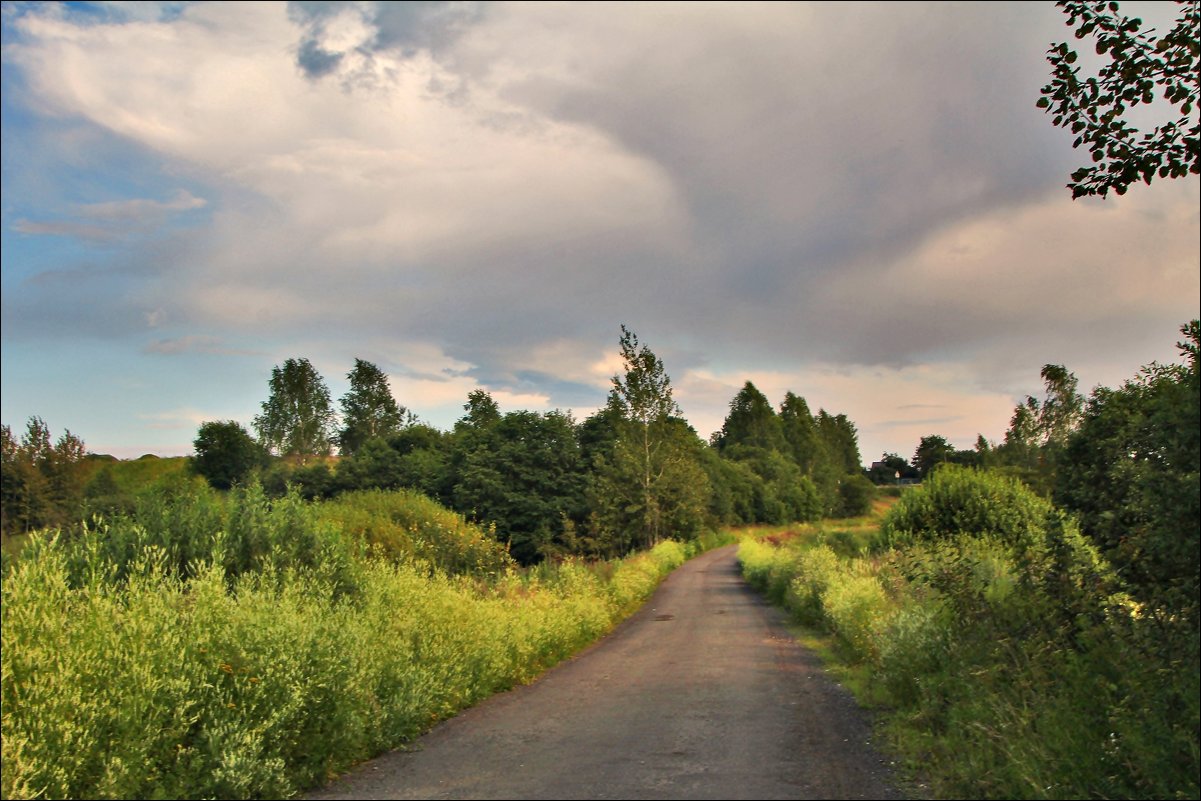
(805, 141)
(315, 61)
(405, 28)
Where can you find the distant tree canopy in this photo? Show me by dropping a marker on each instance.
(1140, 64)
(931, 452)
(751, 423)
(630, 475)
(226, 454)
(298, 417)
(797, 466)
(368, 409)
(41, 483)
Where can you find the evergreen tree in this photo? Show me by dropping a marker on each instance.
(751, 422)
(800, 434)
(931, 452)
(41, 484)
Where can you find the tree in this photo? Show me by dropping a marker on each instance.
(644, 393)
(1038, 430)
(1132, 474)
(651, 484)
(482, 411)
(528, 480)
(800, 433)
(41, 484)
(841, 441)
(890, 469)
(1093, 108)
(931, 452)
(298, 418)
(226, 454)
(751, 422)
(636, 503)
(368, 408)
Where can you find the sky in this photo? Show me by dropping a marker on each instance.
(858, 203)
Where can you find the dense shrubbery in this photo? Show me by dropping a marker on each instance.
(1015, 664)
(239, 647)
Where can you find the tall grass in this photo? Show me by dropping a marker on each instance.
(1009, 660)
(135, 665)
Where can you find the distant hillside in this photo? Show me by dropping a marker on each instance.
(131, 475)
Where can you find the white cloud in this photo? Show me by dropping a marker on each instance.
(141, 208)
(485, 198)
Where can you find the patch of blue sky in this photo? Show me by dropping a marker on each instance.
(76, 194)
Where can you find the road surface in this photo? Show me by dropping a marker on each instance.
(701, 694)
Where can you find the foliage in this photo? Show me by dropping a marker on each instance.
(643, 393)
(931, 452)
(751, 423)
(856, 494)
(297, 418)
(1094, 108)
(368, 409)
(649, 485)
(41, 484)
(226, 454)
(841, 442)
(406, 526)
(1132, 474)
(127, 676)
(802, 442)
(526, 478)
(1005, 671)
(890, 469)
(958, 501)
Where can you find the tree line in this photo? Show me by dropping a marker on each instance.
(1125, 462)
(626, 477)
(42, 482)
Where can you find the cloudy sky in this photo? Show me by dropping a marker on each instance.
(859, 203)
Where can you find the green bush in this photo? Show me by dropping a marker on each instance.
(914, 649)
(1011, 665)
(856, 610)
(815, 569)
(957, 500)
(404, 524)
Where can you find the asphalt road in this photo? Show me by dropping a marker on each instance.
(701, 694)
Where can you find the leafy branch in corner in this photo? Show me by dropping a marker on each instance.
(1093, 107)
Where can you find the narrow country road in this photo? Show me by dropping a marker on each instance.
(701, 694)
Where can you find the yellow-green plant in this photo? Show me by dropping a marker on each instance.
(142, 679)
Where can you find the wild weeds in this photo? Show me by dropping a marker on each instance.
(1011, 661)
(138, 666)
